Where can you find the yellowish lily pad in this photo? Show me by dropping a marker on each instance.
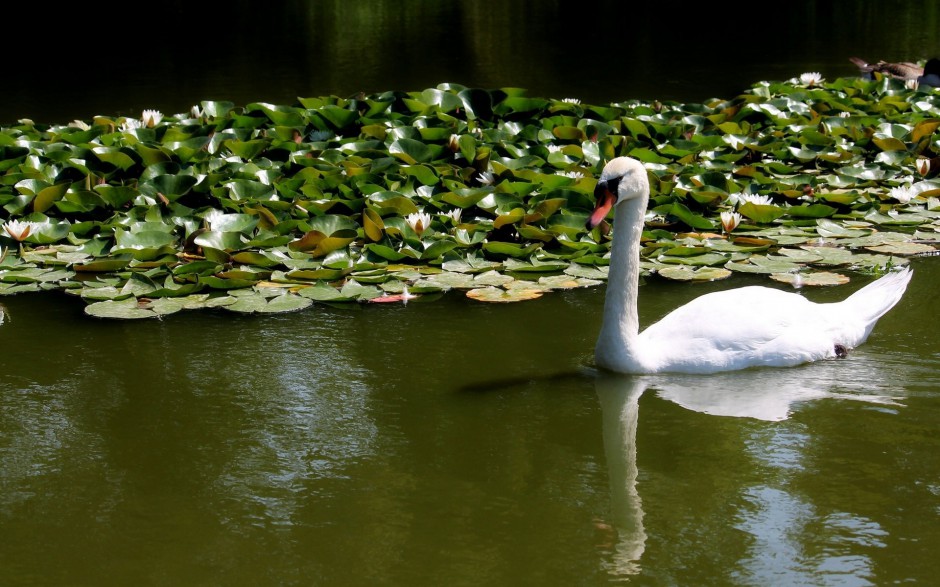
(566, 282)
(496, 294)
(494, 278)
(813, 279)
(687, 273)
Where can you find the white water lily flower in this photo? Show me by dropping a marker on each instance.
(486, 177)
(553, 148)
(454, 214)
(902, 194)
(419, 222)
(130, 124)
(151, 118)
(18, 230)
(757, 200)
(923, 165)
(811, 78)
(79, 124)
(730, 221)
(911, 84)
(572, 174)
(571, 101)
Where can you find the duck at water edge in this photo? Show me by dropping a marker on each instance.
(928, 75)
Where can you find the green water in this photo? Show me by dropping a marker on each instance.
(457, 443)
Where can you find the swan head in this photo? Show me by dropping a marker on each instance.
(622, 179)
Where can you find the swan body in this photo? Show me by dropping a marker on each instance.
(721, 331)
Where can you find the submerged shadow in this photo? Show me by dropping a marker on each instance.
(508, 383)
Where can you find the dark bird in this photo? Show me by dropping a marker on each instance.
(928, 75)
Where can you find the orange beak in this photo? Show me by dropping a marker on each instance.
(605, 201)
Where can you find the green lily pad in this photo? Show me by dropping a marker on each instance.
(904, 248)
(322, 292)
(492, 278)
(445, 281)
(126, 309)
(829, 229)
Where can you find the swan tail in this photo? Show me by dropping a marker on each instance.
(875, 299)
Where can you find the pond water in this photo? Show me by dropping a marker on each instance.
(452, 442)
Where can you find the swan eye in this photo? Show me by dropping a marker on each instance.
(613, 185)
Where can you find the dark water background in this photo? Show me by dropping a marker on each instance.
(450, 442)
(117, 58)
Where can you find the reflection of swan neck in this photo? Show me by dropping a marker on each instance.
(620, 406)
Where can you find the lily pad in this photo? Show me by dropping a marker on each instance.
(126, 309)
(905, 248)
(687, 273)
(817, 278)
(499, 295)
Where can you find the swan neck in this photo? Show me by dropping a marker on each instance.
(621, 315)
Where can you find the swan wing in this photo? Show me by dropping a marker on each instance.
(739, 328)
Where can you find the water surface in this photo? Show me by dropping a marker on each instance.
(460, 441)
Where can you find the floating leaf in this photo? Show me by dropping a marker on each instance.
(322, 292)
(905, 248)
(829, 229)
(686, 273)
(411, 151)
(49, 196)
(811, 279)
(763, 213)
(126, 309)
(499, 295)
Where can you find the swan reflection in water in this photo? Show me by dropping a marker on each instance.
(762, 394)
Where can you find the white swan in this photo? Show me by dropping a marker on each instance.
(720, 331)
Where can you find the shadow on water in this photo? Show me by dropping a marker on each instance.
(517, 382)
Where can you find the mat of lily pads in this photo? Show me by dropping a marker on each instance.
(406, 196)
